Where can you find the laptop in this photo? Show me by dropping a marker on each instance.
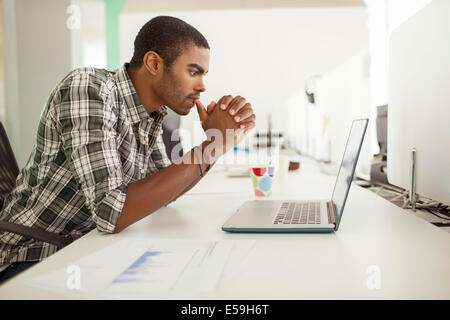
(303, 216)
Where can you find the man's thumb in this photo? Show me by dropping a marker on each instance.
(201, 111)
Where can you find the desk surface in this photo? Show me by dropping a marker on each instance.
(410, 256)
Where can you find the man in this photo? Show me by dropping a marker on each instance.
(99, 160)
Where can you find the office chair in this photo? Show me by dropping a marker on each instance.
(170, 124)
(9, 169)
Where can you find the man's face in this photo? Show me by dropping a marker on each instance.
(184, 81)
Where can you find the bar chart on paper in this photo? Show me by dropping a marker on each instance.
(155, 272)
(140, 268)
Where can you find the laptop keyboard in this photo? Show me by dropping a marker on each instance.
(298, 213)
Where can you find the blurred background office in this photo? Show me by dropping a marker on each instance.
(309, 67)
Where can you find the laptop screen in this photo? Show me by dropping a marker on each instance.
(348, 165)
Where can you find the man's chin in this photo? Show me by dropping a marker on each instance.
(181, 109)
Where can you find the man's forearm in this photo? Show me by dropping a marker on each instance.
(191, 186)
(151, 193)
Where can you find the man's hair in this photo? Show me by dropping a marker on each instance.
(168, 37)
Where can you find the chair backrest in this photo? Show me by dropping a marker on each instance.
(170, 124)
(9, 170)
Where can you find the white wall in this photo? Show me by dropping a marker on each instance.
(265, 55)
(399, 11)
(43, 42)
(37, 53)
(135, 6)
(90, 39)
(342, 96)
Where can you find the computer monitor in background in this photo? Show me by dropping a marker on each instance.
(419, 102)
(378, 170)
(382, 120)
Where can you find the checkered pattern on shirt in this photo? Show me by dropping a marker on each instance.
(94, 138)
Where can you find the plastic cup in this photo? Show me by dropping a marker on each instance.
(262, 180)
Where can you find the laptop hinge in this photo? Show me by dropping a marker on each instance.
(332, 218)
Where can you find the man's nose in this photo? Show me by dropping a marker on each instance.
(200, 85)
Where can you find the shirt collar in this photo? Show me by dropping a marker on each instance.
(133, 102)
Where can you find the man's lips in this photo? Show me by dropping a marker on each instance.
(191, 101)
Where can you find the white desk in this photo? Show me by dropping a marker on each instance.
(412, 255)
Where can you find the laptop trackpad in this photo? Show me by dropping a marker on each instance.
(260, 207)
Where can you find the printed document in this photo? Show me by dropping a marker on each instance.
(142, 268)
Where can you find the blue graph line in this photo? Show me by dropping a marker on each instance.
(134, 268)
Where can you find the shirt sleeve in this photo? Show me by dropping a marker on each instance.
(159, 154)
(87, 121)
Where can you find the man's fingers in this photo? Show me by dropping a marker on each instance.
(237, 103)
(220, 100)
(225, 101)
(245, 113)
(252, 118)
(248, 127)
(247, 124)
(203, 115)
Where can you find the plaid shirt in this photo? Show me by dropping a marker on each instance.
(94, 138)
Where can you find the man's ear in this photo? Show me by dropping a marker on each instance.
(153, 63)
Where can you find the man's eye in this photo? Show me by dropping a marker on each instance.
(194, 73)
